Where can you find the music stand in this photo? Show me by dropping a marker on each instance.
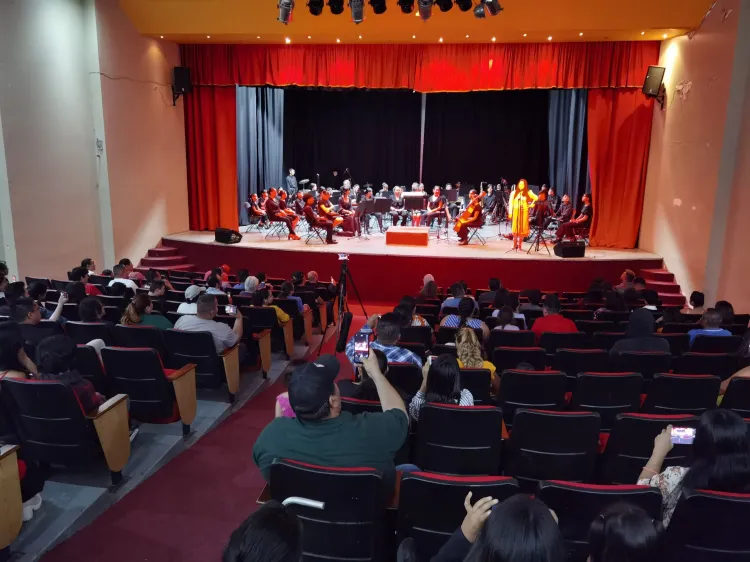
(365, 208)
(451, 195)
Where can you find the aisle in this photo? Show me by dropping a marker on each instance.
(187, 510)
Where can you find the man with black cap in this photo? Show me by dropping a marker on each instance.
(322, 434)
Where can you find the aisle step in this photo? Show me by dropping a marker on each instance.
(163, 262)
(663, 287)
(661, 275)
(672, 299)
(162, 252)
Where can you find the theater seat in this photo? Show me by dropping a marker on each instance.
(720, 364)
(84, 332)
(352, 524)
(576, 505)
(459, 439)
(11, 516)
(477, 381)
(607, 394)
(737, 397)
(405, 376)
(552, 341)
(431, 506)
(681, 394)
(509, 357)
(544, 390)
(709, 527)
(712, 344)
(141, 336)
(357, 406)
(643, 362)
(574, 361)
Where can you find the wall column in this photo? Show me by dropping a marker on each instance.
(7, 238)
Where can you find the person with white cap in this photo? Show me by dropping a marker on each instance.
(190, 305)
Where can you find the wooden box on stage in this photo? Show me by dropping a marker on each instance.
(407, 235)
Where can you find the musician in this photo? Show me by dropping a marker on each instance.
(326, 209)
(398, 207)
(521, 200)
(384, 192)
(489, 202)
(356, 194)
(315, 221)
(254, 212)
(415, 186)
(583, 220)
(471, 217)
(299, 204)
(436, 208)
(351, 223)
(291, 181)
(566, 210)
(553, 199)
(276, 214)
(283, 204)
(263, 199)
(542, 211)
(368, 196)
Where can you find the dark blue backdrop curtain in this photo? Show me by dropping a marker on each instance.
(568, 154)
(260, 141)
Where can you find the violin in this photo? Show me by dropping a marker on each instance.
(468, 215)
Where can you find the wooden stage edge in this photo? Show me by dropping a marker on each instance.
(384, 273)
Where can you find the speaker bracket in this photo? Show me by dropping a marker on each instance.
(175, 96)
(661, 97)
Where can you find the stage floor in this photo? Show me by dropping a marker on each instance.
(496, 248)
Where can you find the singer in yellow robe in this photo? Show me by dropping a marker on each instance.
(521, 201)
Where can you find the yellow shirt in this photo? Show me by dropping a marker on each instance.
(281, 316)
(485, 365)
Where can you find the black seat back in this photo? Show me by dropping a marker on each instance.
(605, 340)
(713, 344)
(509, 357)
(478, 382)
(198, 348)
(357, 406)
(511, 338)
(678, 343)
(260, 317)
(351, 526)
(84, 332)
(590, 327)
(607, 394)
(405, 376)
(141, 336)
(645, 363)
(544, 390)
(417, 334)
(720, 364)
(737, 397)
(681, 394)
(552, 341)
(574, 361)
(459, 439)
(91, 368)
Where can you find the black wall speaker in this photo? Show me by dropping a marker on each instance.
(570, 249)
(181, 83)
(227, 236)
(652, 83)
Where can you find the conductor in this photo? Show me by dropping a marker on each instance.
(291, 182)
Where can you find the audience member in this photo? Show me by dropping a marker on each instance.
(140, 311)
(441, 384)
(721, 460)
(157, 290)
(535, 297)
(500, 297)
(639, 285)
(264, 297)
(726, 311)
(14, 362)
(466, 317)
(364, 388)
(639, 335)
(470, 356)
(388, 330)
(407, 307)
(625, 533)
(121, 277)
(613, 302)
(26, 312)
(190, 305)
(287, 292)
(697, 300)
(130, 272)
(652, 300)
(56, 356)
(489, 297)
(76, 292)
(214, 285)
(428, 292)
(670, 315)
(15, 290)
(82, 274)
(91, 310)
(203, 321)
(152, 276)
(458, 291)
(242, 275)
(552, 321)
(89, 264)
(511, 301)
(632, 299)
(107, 272)
(327, 436)
(506, 320)
(272, 534)
(251, 285)
(711, 326)
(626, 281)
(120, 290)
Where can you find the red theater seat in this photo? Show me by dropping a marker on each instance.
(530, 389)
(607, 394)
(681, 394)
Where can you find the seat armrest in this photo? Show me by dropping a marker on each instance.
(181, 372)
(323, 313)
(307, 319)
(10, 492)
(183, 382)
(231, 359)
(288, 331)
(6, 450)
(111, 424)
(264, 346)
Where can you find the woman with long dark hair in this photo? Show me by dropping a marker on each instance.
(466, 318)
(429, 291)
(721, 460)
(506, 320)
(625, 533)
(441, 384)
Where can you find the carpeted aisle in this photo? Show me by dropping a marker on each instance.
(187, 510)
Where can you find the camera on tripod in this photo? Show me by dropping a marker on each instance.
(343, 257)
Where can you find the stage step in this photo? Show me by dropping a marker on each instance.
(165, 262)
(180, 267)
(672, 299)
(663, 287)
(162, 252)
(661, 275)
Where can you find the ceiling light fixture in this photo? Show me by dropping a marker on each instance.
(494, 39)
(287, 40)
(444, 5)
(413, 36)
(161, 36)
(549, 38)
(643, 33)
(425, 9)
(315, 6)
(378, 6)
(440, 40)
(208, 37)
(358, 10)
(580, 34)
(467, 35)
(258, 37)
(338, 40)
(336, 6)
(407, 6)
(285, 11)
(309, 37)
(524, 34)
(463, 5)
(664, 36)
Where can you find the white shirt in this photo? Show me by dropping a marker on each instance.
(187, 308)
(129, 283)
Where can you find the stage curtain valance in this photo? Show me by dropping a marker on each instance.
(425, 68)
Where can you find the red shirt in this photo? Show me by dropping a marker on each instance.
(552, 323)
(91, 290)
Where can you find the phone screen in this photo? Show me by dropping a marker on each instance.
(230, 309)
(683, 435)
(361, 346)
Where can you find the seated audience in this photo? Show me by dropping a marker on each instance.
(506, 320)
(364, 388)
(489, 297)
(458, 291)
(711, 326)
(56, 357)
(470, 354)
(726, 311)
(157, 289)
(639, 285)
(407, 308)
(387, 330)
(82, 274)
(203, 321)
(120, 290)
(152, 276)
(242, 275)
(613, 302)
(696, 303)
(107, 272)
(466, 317)
(639, 335)
(121, 277)
(626, 281)
(89, 264)
(552, 321)
(721, 460)
(130, 272)
(287, 292)
(264, 297)
(272, 534)
(329, 437)
(671, 315)
(428, 292)
(27, 313)
(625, 533)
(652, 300)
(190, 305)
(511, 301)
(441, 384)
(214, 285)
(140, 312)
(91, 310)
(14, 362)
(535, 297)
(76, 292)
(251, 285)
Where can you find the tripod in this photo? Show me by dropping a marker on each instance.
(538, 240)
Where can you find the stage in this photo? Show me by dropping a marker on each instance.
(383, 273)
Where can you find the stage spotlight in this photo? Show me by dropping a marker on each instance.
(407, 6)
(491, 7)
(444, 5)
(358, 10)
(479, 11)
(378, 6)
(425, 9)
(285, 10)
(316, 7)
(463, 5)
(336, 6)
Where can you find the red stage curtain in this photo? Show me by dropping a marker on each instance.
(619, 133)
(211, 145)
(425, 68)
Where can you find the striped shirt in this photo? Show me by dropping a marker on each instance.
(454, 321)
(419, 400)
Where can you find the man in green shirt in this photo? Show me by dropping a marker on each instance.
(324, 435)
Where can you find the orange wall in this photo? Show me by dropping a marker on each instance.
(145, 134)
(686, 147)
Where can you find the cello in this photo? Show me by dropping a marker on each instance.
(468, 215)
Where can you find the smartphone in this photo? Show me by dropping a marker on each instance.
(683, 435)
(63, 294)
(230, 309)
(361, 346)
(429, 359)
